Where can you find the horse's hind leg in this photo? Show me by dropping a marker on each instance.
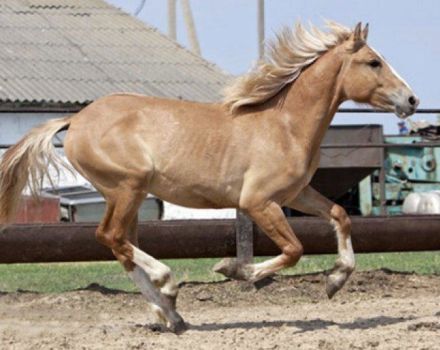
(310, 201)
(270, 218)
(148, 274)
(159, 273)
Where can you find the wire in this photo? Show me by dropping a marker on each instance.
(139, 8)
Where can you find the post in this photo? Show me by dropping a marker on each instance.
(382, 191)
(382, 185)
(245, 238)
(260, 28)
(172, 33)
(190, 27)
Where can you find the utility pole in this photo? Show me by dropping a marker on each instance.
(190, 27)
(260, 28)
(172, 33)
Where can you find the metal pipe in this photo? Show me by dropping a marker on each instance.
(214, 238)
(244, 238)
(190, 27)
(172, 32)
(382, 185)
(381, 145)
(260, 28)
(373, 110)
(7, 108)
(331, 145)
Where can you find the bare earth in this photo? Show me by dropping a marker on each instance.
(376, 310)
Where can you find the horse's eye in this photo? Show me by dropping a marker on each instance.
(375, 63)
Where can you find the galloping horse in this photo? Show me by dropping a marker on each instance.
(257, 151)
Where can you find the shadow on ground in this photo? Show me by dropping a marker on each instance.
(304, 326)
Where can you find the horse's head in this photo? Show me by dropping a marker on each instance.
(368, 78)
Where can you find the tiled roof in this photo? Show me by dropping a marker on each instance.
(76, 51)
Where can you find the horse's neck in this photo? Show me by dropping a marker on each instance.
(312, 100)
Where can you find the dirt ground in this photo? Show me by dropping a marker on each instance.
(376, 310)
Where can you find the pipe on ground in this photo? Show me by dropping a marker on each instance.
(214, 238)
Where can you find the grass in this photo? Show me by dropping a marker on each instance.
(59, 277)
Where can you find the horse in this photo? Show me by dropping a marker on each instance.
(255, 151)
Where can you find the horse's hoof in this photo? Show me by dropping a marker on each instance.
(225, 266)
(331, 289)
(336, 280)
(178, 327)
(157, 327)
(232, 268)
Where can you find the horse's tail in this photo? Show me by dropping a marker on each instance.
(27, 162)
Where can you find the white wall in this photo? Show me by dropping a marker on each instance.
(13, 126)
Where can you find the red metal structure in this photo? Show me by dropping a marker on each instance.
(44, 210)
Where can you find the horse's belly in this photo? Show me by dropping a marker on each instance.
(195, 195)
(191, 199)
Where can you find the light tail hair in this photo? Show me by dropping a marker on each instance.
(28, 163)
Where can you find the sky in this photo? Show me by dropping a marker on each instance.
(406, 32)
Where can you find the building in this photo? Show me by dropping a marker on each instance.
(59, 55)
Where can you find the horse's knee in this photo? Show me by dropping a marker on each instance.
(293, 253)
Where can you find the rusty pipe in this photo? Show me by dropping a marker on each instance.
(214, 238)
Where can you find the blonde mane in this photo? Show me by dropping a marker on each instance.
(288, 55)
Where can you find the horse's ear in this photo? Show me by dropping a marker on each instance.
(365, 32)
(357, 33)
(357, 37)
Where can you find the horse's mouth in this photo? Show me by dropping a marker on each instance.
(404, 113)
(401, 113)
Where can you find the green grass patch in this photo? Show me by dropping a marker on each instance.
(54, 278)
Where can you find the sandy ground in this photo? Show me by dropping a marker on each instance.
(376, 310)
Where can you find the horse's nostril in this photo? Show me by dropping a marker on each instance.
(412, 100)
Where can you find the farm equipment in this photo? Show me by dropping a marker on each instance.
(372, 174)
(407, 169)
(85, 204)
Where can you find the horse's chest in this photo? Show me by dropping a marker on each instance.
(299, 173)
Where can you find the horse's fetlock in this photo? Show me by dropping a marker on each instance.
(345, 265)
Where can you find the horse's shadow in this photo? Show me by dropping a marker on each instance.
(304, 326)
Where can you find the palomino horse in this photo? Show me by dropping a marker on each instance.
(256, 152)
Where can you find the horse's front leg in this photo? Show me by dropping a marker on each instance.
(270, 218)
(310, 201)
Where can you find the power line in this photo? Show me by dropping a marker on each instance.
(139, 8)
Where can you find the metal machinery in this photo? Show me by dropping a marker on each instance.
(408, 168)
(372, 174)
(85, 204)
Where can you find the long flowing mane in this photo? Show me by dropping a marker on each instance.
(291, 51)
